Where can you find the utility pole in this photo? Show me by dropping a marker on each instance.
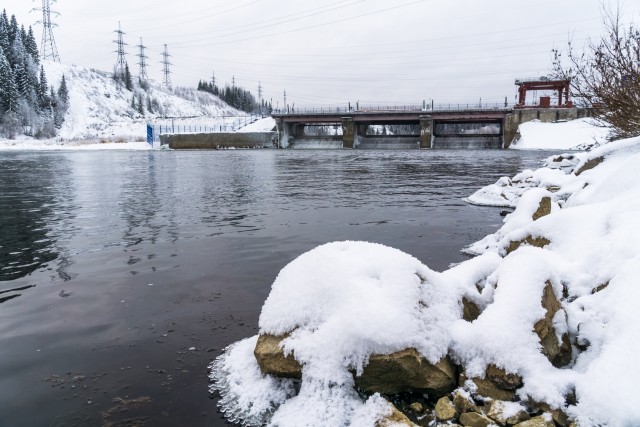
(284, 106)
(142, 74)
(121, 63)
(166, 71)
(48, 48)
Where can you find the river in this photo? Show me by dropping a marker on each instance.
(123, 274)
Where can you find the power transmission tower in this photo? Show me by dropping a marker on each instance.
(121, 63)
(48, 48)
(166, 71)
(233, 81)
(213, 78)
(285, 101)
(142, 74)
(260, 95)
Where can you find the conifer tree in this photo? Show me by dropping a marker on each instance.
(61, 103)
(32, 46)
(8, 89)
(13, 29)
(63, 91)
(128, 83)
(4, 32)
(43, 90)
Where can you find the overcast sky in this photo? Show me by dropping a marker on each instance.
(328, 52)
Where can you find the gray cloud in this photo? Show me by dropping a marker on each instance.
(331, 52)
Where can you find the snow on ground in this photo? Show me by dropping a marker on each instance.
(572, 135)
(342, 302)
(100, 108)
(266, 124)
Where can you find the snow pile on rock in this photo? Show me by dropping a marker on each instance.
(541, 325)
(101, 108)
(577, 134)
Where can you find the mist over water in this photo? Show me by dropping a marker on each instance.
(123, 274)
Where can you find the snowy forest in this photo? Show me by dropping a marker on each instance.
(237, 97)
(28, 105)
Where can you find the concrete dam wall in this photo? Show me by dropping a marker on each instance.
(215, 141)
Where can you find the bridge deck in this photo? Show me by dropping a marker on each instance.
(364, 116)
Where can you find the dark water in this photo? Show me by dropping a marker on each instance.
(84, 337)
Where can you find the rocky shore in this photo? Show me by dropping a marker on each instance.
(538, 329)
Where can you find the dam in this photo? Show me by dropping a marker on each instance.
(410, 128)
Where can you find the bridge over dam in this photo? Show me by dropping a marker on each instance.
(472, 128)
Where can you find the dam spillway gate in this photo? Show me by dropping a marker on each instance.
(412, 129)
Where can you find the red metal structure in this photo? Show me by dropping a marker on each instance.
(544, 83)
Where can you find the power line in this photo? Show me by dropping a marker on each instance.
(142, 74)
(166, 71)
(48, 48)
(308, 27)
(121, 63)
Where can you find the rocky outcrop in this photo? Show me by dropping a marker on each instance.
(497, 413)
(540, 421)
(474, 419)
(544, 209)
(590, 164)
(497, 384)
(470, 310)
(271, 358)
(407, 370)
(463, 404)
(395, 419)
(559, 352)
(538, 242)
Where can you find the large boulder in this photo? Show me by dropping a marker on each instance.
(559, 352)
(271, 358)
(407, 370)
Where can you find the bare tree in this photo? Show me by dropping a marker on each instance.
(605, 76)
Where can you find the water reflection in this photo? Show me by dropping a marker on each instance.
(30, 200)
(56, 206)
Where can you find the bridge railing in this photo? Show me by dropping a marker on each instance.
(213, 125)
(367, 109)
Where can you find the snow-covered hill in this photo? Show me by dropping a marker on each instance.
(101, 108)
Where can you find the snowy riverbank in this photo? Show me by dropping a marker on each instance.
(541, 323)
(577, 134)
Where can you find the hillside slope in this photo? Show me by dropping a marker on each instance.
(101, 108)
